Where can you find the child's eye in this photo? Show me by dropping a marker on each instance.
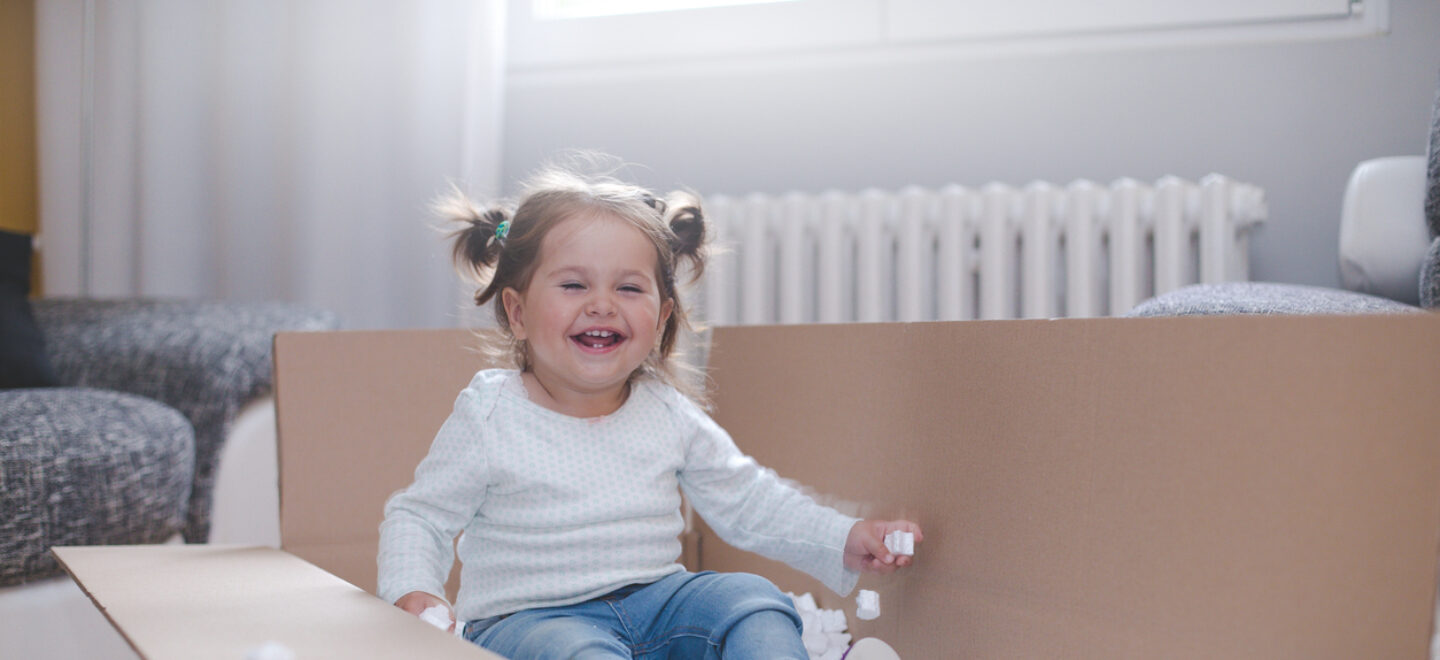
(572, 286)
(631, 288)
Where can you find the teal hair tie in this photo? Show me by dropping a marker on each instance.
(502, 230)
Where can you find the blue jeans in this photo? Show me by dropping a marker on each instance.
(685, 615)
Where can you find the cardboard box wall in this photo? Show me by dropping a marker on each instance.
(1198, 487)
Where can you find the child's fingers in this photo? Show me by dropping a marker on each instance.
(868, 543)
(875, 546)
(880, 567)
(901, 526)
(417, 602)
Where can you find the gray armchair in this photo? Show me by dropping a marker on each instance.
(125, 450)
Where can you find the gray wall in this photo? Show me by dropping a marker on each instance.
(1293, 117)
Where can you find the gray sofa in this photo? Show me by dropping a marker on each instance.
(1377, 237)
(123, 447)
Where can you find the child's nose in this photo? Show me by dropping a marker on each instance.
(601, 305)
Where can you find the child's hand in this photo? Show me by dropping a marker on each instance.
(416, 602)
(865, 546)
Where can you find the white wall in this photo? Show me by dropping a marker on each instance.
(1294, 117)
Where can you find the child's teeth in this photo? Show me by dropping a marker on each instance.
(598, 334)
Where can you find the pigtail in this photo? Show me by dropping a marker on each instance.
(682, 213)
(478, 236)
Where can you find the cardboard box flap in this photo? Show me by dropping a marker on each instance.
(356, 412)
(177, 602)
(1198, 487)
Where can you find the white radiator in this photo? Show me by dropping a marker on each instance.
(959, 253)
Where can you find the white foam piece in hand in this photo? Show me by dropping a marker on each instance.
(867, 605)
(436, 615)
(900, 543)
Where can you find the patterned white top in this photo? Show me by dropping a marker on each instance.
(557, 509)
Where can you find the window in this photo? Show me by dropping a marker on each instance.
(562, 9)
(701, 33)
(557, 34)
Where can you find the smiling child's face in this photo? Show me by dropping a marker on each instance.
(592, 311)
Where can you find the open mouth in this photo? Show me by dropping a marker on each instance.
(598, 340)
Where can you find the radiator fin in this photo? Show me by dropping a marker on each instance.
(957, 253)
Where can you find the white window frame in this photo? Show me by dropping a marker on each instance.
(928, 19)
(807, 30)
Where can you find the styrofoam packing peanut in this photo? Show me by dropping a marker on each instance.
(815, 641)
(439, 616)
(436, 615)
(867, 605)
(822, 631)
(900, 543)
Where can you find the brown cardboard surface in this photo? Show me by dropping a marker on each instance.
(356, 412)
(1239, 487)
(199, 601)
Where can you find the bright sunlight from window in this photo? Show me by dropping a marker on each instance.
(557, 9)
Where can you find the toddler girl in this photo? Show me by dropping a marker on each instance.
(565, 473)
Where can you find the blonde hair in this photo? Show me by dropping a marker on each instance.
(496, 255)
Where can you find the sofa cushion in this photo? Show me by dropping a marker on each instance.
(87, 467)
(1265, 298)
(23, 362)
(206, 359)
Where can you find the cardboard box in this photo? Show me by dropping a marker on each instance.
(1181, 488)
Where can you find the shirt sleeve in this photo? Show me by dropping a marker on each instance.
(753, 509)
(418, 534)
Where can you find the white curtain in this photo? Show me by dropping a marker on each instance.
(266, 149)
